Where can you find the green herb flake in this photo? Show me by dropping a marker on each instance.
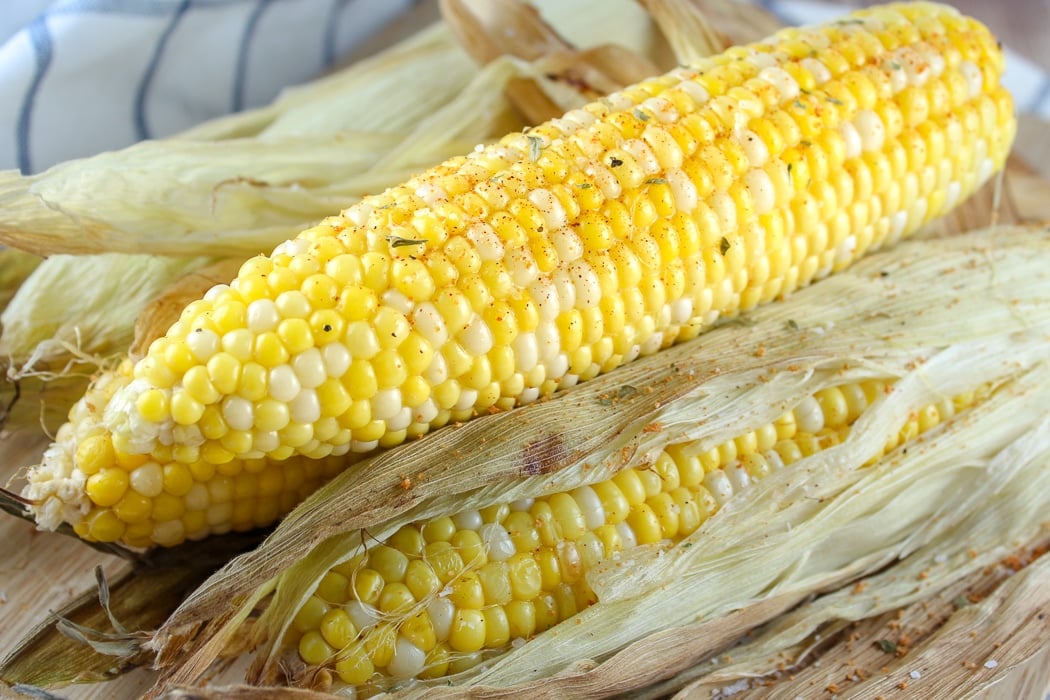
(584, 185)
(743, 321)
(398, 241)
(621, 392)
(792, 324)
(535, 144)
(723, 245)
(887, 645)
(639, 114)
(656, 181)
(961, 602)
(835, 100)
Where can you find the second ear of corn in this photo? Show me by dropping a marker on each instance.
(543, 260)
(439, 596)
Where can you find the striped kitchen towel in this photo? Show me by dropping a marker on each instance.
(81, 76)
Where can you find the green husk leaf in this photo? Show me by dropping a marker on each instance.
(899, 315)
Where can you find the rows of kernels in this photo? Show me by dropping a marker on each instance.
(145, 500)
(563, 252)
(151, 503)
(456, 586)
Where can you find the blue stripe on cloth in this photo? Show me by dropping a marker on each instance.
(774, 8)
(141, 127)
(241, 70)
(44, 48)
(329, 49)
(129, 7)
(1033, 106)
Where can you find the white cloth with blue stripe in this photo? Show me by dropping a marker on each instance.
(81, 76)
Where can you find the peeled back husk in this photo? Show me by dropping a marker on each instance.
(939, 317)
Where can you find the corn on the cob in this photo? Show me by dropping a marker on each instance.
(563, 252)
(437, 595)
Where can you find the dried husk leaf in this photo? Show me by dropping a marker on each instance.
(687, 28)
(38, 402)
(488, 29)
(15, 266)
(897, 314)
(699, 28)
(248, 182)
(566, 78)
(984, 612)
(82, 307)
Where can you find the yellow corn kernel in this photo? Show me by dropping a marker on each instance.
(313, 649)
(334, 587)
(645, 524)
(105, 526)
(395, 598)
(419, 629)
(470, 547)
(368, 585)
(521, 619)
(467, 633)
(310, 614)
(379, 643)
(495, 583)
(467, 592)
(354, 665)
(107, 486)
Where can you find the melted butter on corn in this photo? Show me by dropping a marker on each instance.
(438, 595)
(542, 260)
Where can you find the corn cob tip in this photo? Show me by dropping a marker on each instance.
(57, 487)
(110, 495)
